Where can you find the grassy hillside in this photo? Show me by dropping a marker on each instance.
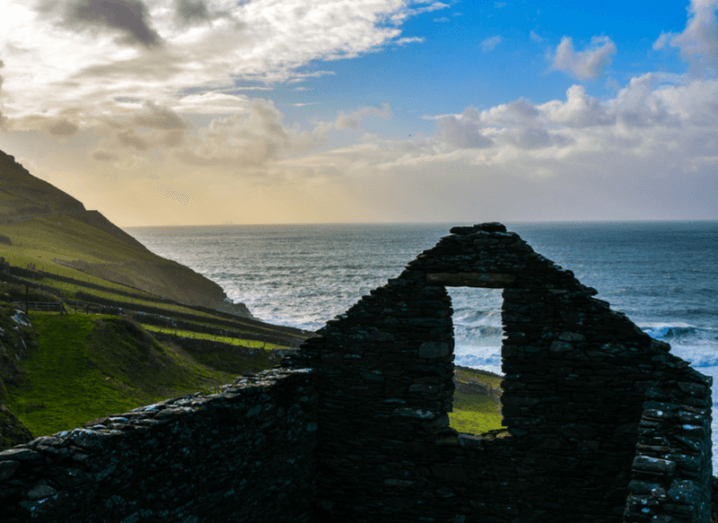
(42, 225)
(65, 370)
(22, 194)
(476, 409)
(73, 245)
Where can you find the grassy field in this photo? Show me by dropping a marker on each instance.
(87, 366)
(474, 414)
(223, 339)
(70, 289)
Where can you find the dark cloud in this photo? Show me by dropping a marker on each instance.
(173, 139)
(104, 156)
(131, 18)
(63, 127)
(131, 139)
(191, 12)
(159, 117)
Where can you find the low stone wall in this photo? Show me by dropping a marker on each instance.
(193, 345)
(176, 324)
(244, 455)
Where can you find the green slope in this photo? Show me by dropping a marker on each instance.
(474, 414)
(22, 194)
(83, 367)
(42, 225)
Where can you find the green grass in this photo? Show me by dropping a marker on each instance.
(88, 366)
(87, 241)
(224, 339)
(474, 414)
(70, 289)
(468, 375)
(64, 236)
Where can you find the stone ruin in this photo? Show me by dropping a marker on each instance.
(603, 424)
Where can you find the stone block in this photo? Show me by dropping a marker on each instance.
(470, 279)
(450, 472)
(657, 465)
(19, 454)
(560, 347)
(40, 492)
(7, 469)
(434, 349)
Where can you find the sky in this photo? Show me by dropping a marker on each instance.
(198, 112)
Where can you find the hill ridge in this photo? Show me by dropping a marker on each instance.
(43, 224)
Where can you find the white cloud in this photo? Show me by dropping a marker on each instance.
(640, 155)
(403, 14)
(535, 37)
(409, 40)
(698, 43)
(75, 54)
(462, 131)
(249, 138)
(578, 111)
(584, 65)
(490, 43)
(211, 102)
(662, 41)
(354, 119)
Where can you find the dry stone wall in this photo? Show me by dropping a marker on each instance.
(603, 423)
(243, 455)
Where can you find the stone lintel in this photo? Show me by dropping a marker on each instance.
(470, 279)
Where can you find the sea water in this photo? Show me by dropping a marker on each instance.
(663, 275)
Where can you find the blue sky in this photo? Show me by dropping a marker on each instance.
(295, 111)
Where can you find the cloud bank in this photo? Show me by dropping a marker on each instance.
(179, 92)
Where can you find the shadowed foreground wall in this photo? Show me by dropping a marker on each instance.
(603, 423)
(246, 454)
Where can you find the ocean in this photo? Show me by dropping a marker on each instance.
(663, 275)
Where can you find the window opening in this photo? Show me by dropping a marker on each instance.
(478, 336)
